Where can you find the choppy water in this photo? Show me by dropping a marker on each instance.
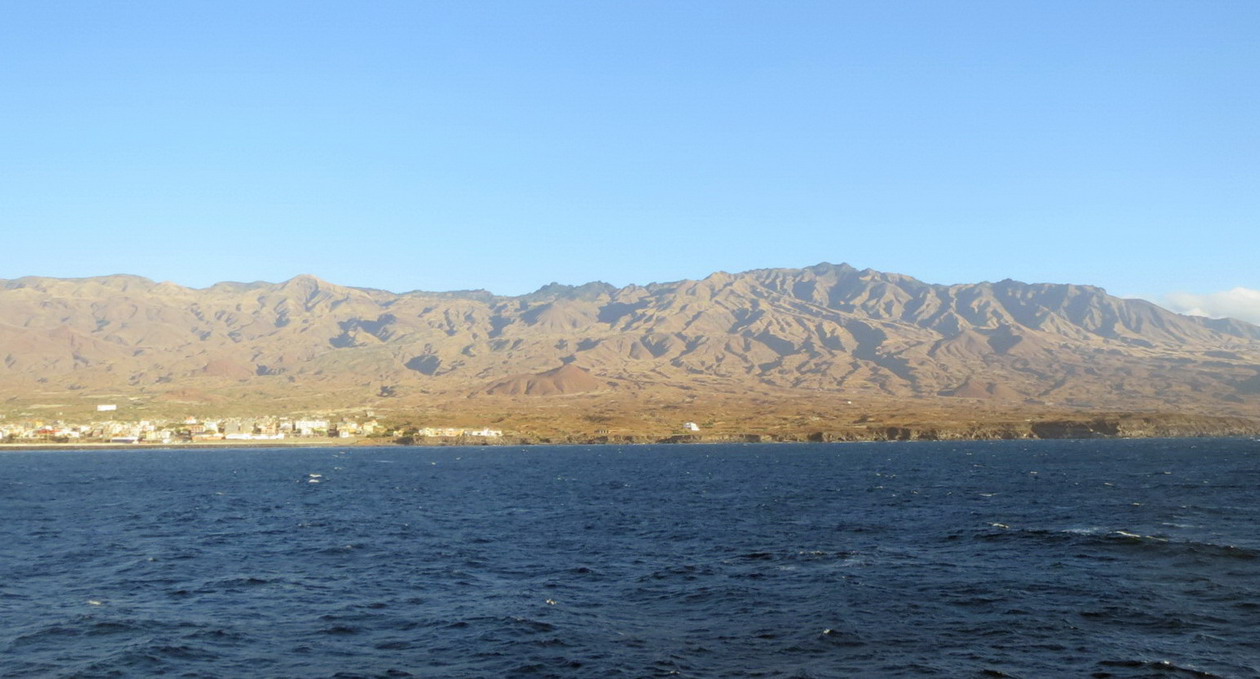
(1026, 559)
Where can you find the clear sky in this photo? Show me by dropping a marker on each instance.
(503, 145)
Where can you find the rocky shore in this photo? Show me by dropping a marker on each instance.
(1108, 426)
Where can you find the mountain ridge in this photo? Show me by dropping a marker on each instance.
(827, 329)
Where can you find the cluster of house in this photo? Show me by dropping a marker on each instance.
(274, 428)
(193, 429)
(190, 429)
(455, 432)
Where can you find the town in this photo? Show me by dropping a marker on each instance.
(210, 430)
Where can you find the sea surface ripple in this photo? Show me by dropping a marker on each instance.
(972, 559)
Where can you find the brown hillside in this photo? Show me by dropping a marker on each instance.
(830, 330)
(567, 379)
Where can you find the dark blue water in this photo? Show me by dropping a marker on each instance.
(1026, 559)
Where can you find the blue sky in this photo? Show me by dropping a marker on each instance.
(504, 145)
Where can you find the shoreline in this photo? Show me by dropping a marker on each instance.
(108, 445)
(598, 441)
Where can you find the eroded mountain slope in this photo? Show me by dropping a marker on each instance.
(828, 328)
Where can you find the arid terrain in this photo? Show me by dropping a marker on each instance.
(828, 351)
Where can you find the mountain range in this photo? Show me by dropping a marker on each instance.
(825, 333)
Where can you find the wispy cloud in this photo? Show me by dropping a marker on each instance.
(1240, 303)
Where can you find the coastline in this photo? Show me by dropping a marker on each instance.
(1125, 426)
(108, 445)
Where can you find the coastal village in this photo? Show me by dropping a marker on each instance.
(234, 429)
(323, 429)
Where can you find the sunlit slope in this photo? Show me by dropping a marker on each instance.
(827, 328)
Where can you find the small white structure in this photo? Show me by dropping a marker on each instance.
(106, 407)
(443, 432)
(310, 427)
(691, 426)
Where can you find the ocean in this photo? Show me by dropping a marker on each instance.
(1096, 558)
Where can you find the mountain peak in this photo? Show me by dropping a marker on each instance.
(586, 291)
(305, 280)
